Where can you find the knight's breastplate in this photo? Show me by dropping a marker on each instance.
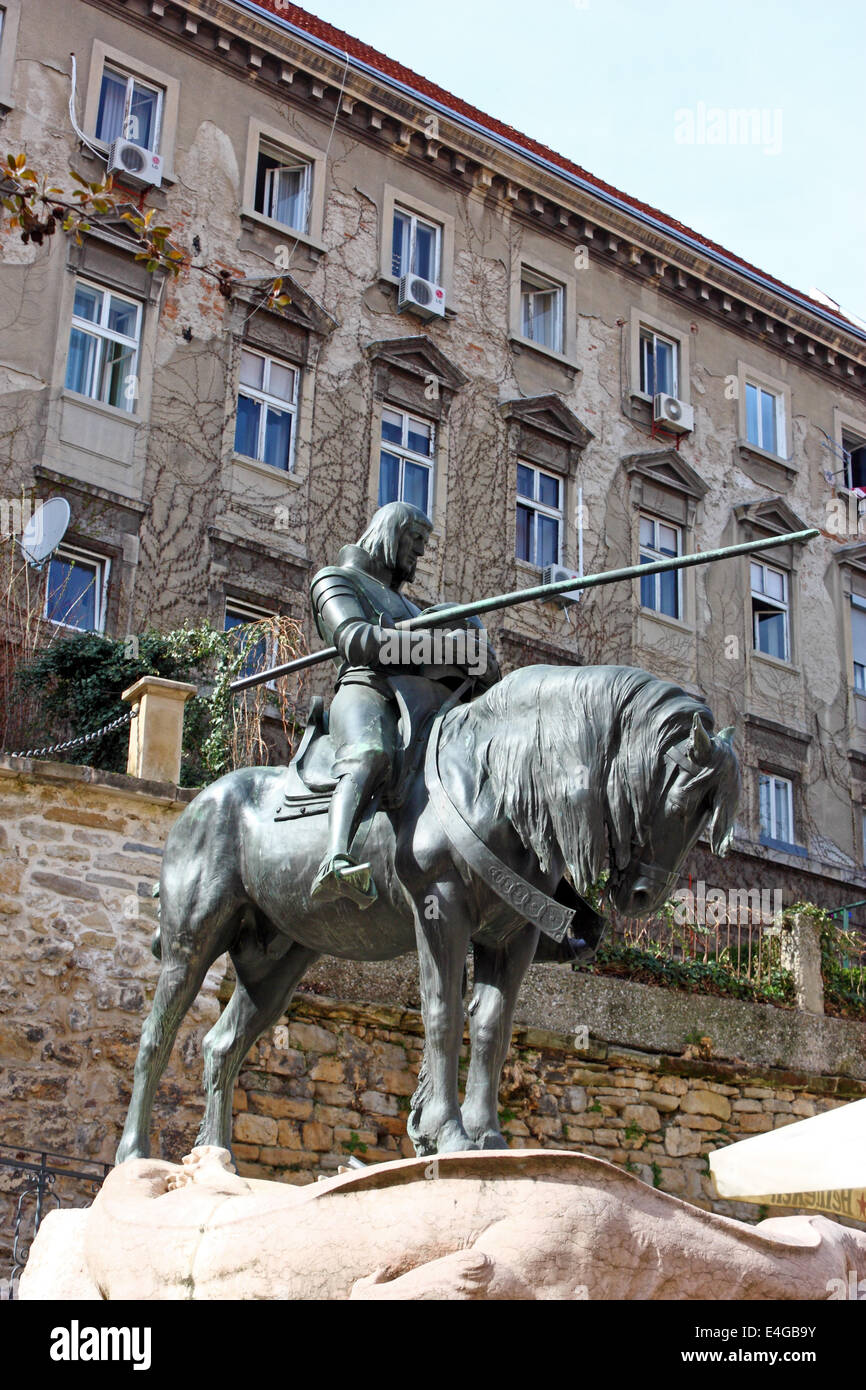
(341, 594)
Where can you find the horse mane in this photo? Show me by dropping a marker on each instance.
(576, 754)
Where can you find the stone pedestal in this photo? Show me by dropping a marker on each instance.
(156, 735)
(493, 1225)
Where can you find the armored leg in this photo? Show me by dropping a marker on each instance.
(363, 726)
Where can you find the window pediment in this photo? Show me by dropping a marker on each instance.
(413, 372)
(549, 415)
(666, 468)
(419, 356)
(302, 309)
(770, 514)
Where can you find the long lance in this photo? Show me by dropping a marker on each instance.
(459, 611)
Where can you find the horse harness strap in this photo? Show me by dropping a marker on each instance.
(533, 904)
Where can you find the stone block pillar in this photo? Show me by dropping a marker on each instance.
(155, 735)
(801, 954)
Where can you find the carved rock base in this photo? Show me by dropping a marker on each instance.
(524, 1224)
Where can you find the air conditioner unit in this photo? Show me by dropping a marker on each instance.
(554, 574)
(421, 296)
(673, 414)
(136, 164)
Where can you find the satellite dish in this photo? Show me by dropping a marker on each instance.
(44, 531)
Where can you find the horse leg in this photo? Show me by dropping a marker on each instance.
(499, 974)
(180, 980)
(442, 932)
(262, 993)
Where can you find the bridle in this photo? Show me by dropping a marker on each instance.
(677, 761)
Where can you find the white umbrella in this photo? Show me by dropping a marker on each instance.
(819, 1163)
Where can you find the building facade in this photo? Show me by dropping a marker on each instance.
(474, 325)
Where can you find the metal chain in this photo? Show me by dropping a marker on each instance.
(78, 742)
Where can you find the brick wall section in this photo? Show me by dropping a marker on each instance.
(337, 1080)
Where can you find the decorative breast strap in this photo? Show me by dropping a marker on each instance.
(530, 902)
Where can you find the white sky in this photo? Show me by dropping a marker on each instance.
(607, 83)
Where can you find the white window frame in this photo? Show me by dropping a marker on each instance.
(863, 834)
(104, 55)
(8, 42)
(775, 781)
(852, 436)
(404, 453)
(647, 334)
(131, 79)
(278, 402)
(106, 335)
(859, 604)
(293, 162)
(780, 605)
(534, 282)
(536, 507)
(414, 220)
(780, 449)
(656, 553)
(89, 560)
(250, 613)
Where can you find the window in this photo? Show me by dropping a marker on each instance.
(770, 611)
(863, 836)
(858, 641)
(283, 187)
(267, 404)
(541, 303)
(539, 516)
(129, 108)
(406, 460)
(260, 654)
(416, 246)
(854, 457)
(658, 364)
(777, 807)
(75, 591)
(765, 425)
(103, 346)
(661, 593)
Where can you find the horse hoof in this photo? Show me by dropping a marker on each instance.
(491, 1139)
(452, 1138)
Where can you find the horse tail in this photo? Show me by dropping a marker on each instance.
(156, 944)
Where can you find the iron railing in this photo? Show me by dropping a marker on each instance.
(37, 1180)
(744, 944)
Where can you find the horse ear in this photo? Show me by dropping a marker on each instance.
(700, 743)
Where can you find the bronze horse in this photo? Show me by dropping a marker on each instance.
(558, 769)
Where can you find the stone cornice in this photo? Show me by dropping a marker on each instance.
(257, 50)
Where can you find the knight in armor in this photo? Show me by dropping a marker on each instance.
(357, 603)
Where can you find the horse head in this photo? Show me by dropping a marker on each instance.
(696, 784)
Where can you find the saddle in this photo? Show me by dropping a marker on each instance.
(309, 777)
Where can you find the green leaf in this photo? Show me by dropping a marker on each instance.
(79, 178)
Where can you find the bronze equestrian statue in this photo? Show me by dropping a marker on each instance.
(552, 771)
(430, 820)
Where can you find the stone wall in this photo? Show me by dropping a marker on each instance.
(79, 855)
